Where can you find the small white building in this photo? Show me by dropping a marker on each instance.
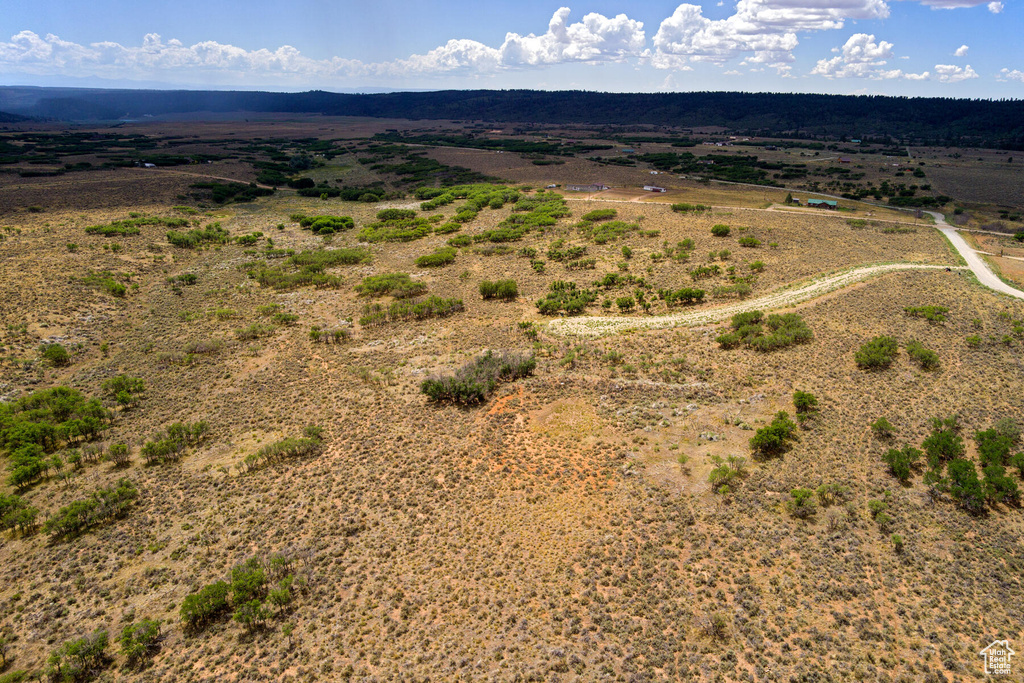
(653, 188)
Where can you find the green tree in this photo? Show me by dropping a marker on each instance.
(139, 641)
(878, 353)
(901, 462)
(773, 440)
(56, 354)
(79, 660)
(801, 503)
(804, 402)
(965, 486)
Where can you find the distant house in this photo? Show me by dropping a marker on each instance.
(628, 150)
(550, 187)
(654, 173)
(795, 202)
(856, 142)
(823, 204)
(148, 165)
(653, 188)
(598, 187)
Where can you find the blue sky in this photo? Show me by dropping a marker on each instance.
(954, 48)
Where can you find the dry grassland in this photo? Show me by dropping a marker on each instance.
(549, 534)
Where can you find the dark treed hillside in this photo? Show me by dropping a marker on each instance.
(939, 121)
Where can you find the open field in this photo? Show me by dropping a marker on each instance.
(551, 532)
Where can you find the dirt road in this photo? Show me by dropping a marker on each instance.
(597, 325)
(974, 261)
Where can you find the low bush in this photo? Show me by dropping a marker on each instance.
(720, 230)
(877, 354)
(81, 659)
(431, 307)
(139, 641)
(687, 296)
(691, 208)
(57, 355)
(902, 461)
(774, 439)
(325, 225)
(474, 381)
(932, 313)
(170, 445)
(506, 290)
(442, 257)
(766, 333)
(749, 242)
(565, 297)
(398, 285)
(211, 234)
(926, 358)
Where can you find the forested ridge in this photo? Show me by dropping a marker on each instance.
(945, 121)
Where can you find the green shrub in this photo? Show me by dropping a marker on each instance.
(170, 445)
(395, 214)
(506, 290)
(878, 353)
(286, 449)
(442, 257)
(804, 402)
(691, 208)
(599, 215)
(102, 505)
(964, 485)
(200, 608)
(749, 242)
(211, 234)
(447, 228)
(56, 354)
(431, 307)
(901, 462)
(882, 428)
(475, 380)
(81, 659)
(933, 313)
(765, 333)
(687, 296)
(139, 641)
(720, 230)
(565, 297)
(773, 439)
(926, 358)
(801, 503)
(398, 285)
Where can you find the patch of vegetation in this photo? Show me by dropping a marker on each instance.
(226, 192)
(683, 207)
(396, 230)
(475, 380)
(103, 505)
(132, 226)
(310, 443)
(108, 282)
(935, 314)
(688, 296)
(397, 311)
(926, 358)
(877, 354)
(211, 234)
(81, 659)
(398, 285)
(307, 268)
(442, 257)
(604, 232)
(565, 297)
(720, 230)
(766, 333)
(324, 224)
(749, 242)
(139, 642)
(902, 461)
(506, 290)
(774, 439)
(170, 445)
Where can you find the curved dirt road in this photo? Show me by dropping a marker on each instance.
(597, 325)
(974, 261)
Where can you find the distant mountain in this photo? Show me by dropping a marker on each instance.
(12, 118)
(941, 121)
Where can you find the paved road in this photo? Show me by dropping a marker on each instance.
(975, 262)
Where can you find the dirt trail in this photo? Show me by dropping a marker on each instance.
(200, 175)
(596, 325)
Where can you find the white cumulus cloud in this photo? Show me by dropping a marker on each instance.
(995, 7)
(961, 51)
(593, 39)
(764, 31)
(950, 73)
(862, 57)
(1007, 75)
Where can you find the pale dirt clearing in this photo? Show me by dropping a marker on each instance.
(789, 296)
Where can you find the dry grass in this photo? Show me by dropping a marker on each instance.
(549, 534)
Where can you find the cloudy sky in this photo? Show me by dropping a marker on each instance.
(954, 48)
